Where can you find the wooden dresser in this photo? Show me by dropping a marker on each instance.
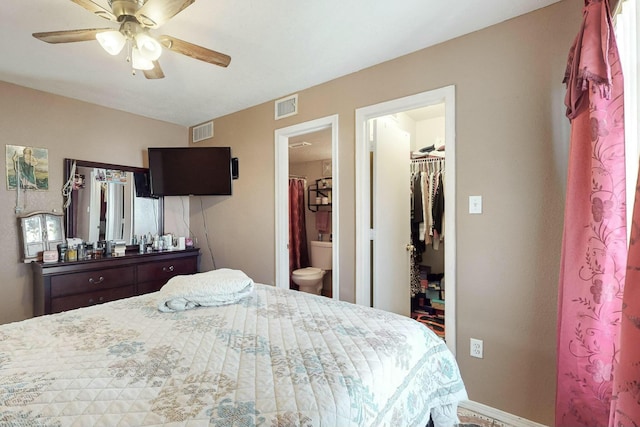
(64, 286)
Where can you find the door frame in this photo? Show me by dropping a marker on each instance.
(364, 234)
(282, 197)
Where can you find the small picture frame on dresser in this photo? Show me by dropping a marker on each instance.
(39, 232)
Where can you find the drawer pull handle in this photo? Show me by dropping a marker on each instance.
(94, 282)
(168, 269)
(92, 301)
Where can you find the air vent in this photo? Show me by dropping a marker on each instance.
(286, 107)
(299, 144)
(202, 132)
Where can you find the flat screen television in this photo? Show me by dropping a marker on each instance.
(184, 171)
(142, 184)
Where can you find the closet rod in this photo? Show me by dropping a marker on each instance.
(428, 160)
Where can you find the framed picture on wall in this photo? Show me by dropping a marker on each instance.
(327, 167)
(28, 167)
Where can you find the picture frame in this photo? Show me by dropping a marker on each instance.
(27, 166)
(327, 167)
(40, 231)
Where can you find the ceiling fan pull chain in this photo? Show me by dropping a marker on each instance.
(129, 49)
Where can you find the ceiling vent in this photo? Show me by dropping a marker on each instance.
(299, 144)
(286, 107)
(202, 132)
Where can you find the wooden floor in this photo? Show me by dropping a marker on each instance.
(469, 418)
(472, 414)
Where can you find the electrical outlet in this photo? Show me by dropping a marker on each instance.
(476, 348)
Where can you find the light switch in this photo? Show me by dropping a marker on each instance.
(475, 204)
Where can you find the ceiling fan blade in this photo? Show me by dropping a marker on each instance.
(95, 8)
(155, 72)
(69, 36)
(195, 51)
(156, 12)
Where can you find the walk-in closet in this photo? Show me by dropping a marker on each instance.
(427, 238)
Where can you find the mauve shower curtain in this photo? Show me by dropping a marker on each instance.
(594, 249)
(298, 251)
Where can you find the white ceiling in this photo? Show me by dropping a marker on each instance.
(277, 47)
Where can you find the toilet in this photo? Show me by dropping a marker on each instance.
(309, 279)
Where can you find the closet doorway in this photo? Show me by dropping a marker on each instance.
(383, 244)
(283, 138)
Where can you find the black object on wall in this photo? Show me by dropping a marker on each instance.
(143, 185)
(184, 171)
(235, 168)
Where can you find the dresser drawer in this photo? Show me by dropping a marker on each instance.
(150, 286)
(89, 281)
(62, 286)
(164, 270)
(90, 298)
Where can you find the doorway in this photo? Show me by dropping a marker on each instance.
(283, 137)
(367, 236)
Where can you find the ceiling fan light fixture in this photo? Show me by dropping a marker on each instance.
(139, 62)
(148, 47)
(111, 41)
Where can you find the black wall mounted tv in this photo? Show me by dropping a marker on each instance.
(184, 171)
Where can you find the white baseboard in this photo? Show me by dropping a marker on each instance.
(498, 415)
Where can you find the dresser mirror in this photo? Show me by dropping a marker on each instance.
(109, 202)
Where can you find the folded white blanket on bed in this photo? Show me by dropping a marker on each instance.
(212, 288)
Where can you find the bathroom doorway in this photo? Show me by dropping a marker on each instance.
(315, 146)
(310, 168)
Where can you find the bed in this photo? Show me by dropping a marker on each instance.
(274, 358)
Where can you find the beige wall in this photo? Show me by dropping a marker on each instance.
(512, 142)
(68, 129)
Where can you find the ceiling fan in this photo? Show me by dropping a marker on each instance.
(136, 17)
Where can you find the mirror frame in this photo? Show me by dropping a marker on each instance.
(68, 212)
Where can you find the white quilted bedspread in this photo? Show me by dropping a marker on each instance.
(278, 358)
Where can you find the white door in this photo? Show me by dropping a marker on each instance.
(391, 217)
(364, 203)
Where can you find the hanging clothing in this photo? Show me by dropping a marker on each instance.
(594, 250)
(425, 179)
(438, 207)
(418, 212)
(417, 216)
(427, 186)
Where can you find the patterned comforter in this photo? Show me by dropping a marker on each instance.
(276, 358)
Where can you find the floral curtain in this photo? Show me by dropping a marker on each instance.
(298, 251)
(625, 409)
(594, 249)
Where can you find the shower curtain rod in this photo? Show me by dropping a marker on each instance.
(297, 176)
